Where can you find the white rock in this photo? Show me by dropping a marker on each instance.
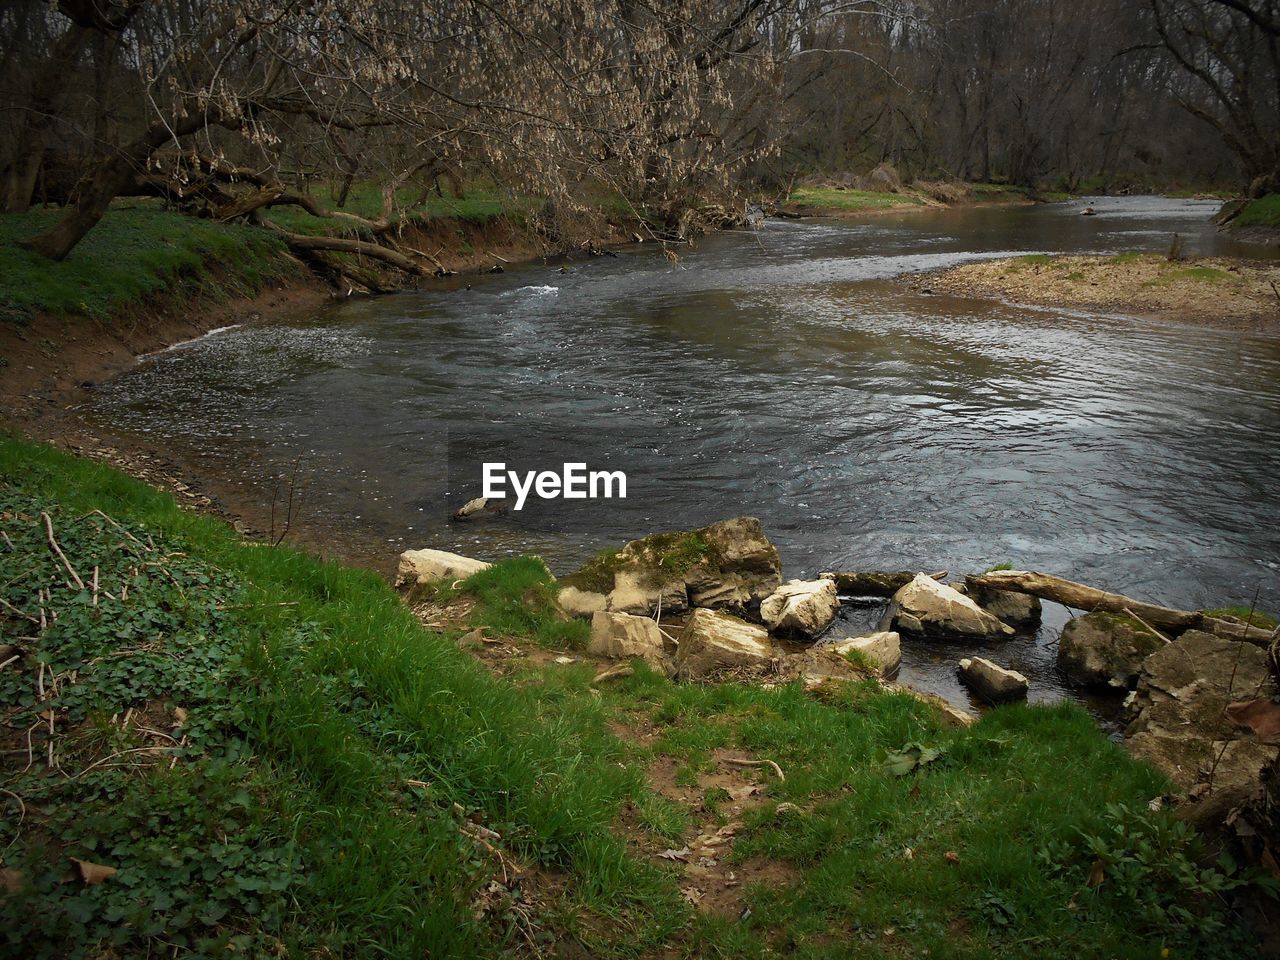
(712, 641)
(801, 608)
(884, 649)
(622, 636)
(992, 683)
(580, 603)
(931, 608)
(430, 566)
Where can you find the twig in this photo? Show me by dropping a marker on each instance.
(122, 753)
(9, 661)
(22, 815)
(613, 673)
(8, 541)
(1130, 613)
(95, 584)
(116, 525)
(19, 612)
(757, 763)
(53, 545)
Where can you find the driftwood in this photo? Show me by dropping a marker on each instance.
(305, 242)
(1082, 597)
(873, 583)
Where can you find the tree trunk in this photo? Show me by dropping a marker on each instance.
(47, 92)
(873, 583)
(1081, 597)
(116, 175)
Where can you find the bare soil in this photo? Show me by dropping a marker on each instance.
(1229, 293)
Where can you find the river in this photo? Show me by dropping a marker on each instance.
(787, 373)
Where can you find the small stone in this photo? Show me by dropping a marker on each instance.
(884, 649)
(991, 682)
(432, 566)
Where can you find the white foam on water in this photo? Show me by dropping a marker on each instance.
(186, 343)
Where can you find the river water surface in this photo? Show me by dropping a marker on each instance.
(790, 374)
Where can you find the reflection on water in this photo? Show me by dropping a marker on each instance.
(787, 375)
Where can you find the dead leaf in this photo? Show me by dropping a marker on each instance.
(93, 873)
(1261, 716)
(11, 881)
(682, 854)
(951, 856)
(179, 716)
(1097, 873)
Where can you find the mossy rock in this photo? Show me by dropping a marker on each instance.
(1105, 649)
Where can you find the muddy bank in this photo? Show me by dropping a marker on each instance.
(1215, 291)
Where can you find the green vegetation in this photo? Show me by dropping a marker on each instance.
(1263, 212)
(137, 253)
(829, 198)
(1257, 618)
(479, 205)
(1201, 274)
(1131, 256)
(517, 598)
(1036, 259)
(596, 575)
(330, 733)
(277, 758)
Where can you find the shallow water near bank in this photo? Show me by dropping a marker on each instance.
(787, 374)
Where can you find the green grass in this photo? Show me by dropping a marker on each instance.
(1036, 259)
(825, 198)
(1131, 256)
(479, 205)
(1263, 212)
(1198, 274)
(516, 598)
(136, 253)
(338, 752)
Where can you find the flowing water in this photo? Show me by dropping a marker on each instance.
(789, 374)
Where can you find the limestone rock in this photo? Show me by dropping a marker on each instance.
(621, 636)
(1019, 610)
(884, 649)
(730, 564)
(801, 608)
(430, 566)
(992, 683)
(1102, 649)
(1179, 722)
(713, 641)
(933, 609)
(580, 603)
(951, 714)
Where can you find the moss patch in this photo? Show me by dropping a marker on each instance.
(1257, 618)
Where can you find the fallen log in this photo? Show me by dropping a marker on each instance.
(873, 583)
(304, 242)
(1083, 597)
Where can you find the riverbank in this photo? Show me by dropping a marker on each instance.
(333, 774)
(838, 200)
(1216, 291)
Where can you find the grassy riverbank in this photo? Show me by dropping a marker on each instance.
(820, 200)
(275, 756)
(1205, 290)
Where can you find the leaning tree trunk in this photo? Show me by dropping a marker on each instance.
(116, 175)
